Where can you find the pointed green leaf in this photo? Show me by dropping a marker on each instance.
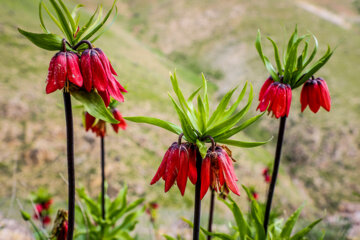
(42, 24)
(107, 27)
(299, 235)
(48, 41)
(242, 144)
(179, 94)
(157, 122)
(277, 57)
(290, 223)
(68, 15)
(237, 129)
(202, 114)
(233, 107)
(242, 225)
(75, 10)
(86, 26)
(101, 24)
(94, 105)
(53, 18)
(222, 236)
(63, 21)
(206, 99)
(313, 53)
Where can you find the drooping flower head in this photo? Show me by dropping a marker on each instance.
(178, 164)
(98, 126)
(99, 74)
(217, 170)
(266, 174)
(63, 66)
(276, 98)
(315, 93)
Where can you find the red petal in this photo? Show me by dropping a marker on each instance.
(205, 177)
(192, 165)
(89, 121)
(274, 101)
(112, 69)
(314, 97)
(122, 124)
(51, 83)
(60, 70)
(304, 97)
(73, 70)
(325, 95)
(86, 70)
(229, 179)
(183, 170)
(105, 97)
(264, 103)
(161, 170)
(265, 87)
(98, 72)
(114, 90)
(281, 101)
(288, 99)
(172, 168)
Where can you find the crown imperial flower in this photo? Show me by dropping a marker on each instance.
(63, 66)
(98, 73)
(217, 170)
(276, 98)
(315, 93)
(178, 163)
(122, 124)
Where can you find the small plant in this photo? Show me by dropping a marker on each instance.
(120, 220)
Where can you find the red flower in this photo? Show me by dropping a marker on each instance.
(99, 73)
(38, 209)
(266, 174)
(62, 235)
(89, 121)
(265, 87)
(64, 65)
(46, 220)
(315, 93)
(175, 166)
(99, 128)
(122, 124)
(216, 170)
(255, 195)
(278, 95)
(47, 204)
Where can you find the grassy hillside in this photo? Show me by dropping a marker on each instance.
(146, 42)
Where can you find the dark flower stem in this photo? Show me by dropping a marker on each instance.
(275, 172)
(197, 207)
(211, 212)
(70, 161)
(103, 177)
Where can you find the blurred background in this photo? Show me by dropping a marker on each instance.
(320, 164)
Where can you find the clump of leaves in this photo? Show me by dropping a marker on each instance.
(197, 123)
(120, 219)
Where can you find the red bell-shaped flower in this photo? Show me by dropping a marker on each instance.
(217, 170)
(315, 93)
(265, 87)
(278, 95)
(176, 165)
(98, 73)
(122, 124)
(64, 65)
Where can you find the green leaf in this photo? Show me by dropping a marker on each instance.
(319, 64)
(299, 235)
(190, 99)
(41, 18)
(179, 94)
(48, 41)
(101, 24)
(219, 111)
(202, 148)
(313, 53)
(75, 10)
(64, 23)
(53, 18)
(157, 122)
(206, 99)
(237, 129)
(290, 223)
(240, 219)
(107, 27)
(222, 236)
(86, 26)
(202, 114)
(277, 57)
(68, 15)
(119, 202)
(243, 144)
(233, 107)
(94, 105)
(265, 60)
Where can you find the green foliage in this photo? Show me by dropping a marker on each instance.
(196, 121)
(41, 195)
(120, 219)
(293, 67)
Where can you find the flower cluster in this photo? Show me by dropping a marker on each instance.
(276, 97)
(179, 163)
(98, 126)
(42, 211)
(92, 70)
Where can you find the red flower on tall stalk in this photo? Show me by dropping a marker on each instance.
(276, 98)
(315, 93)
(63, 66)
(98, 73)
(62, 235)
(217, 170)
(178, 164)
(122, 124)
